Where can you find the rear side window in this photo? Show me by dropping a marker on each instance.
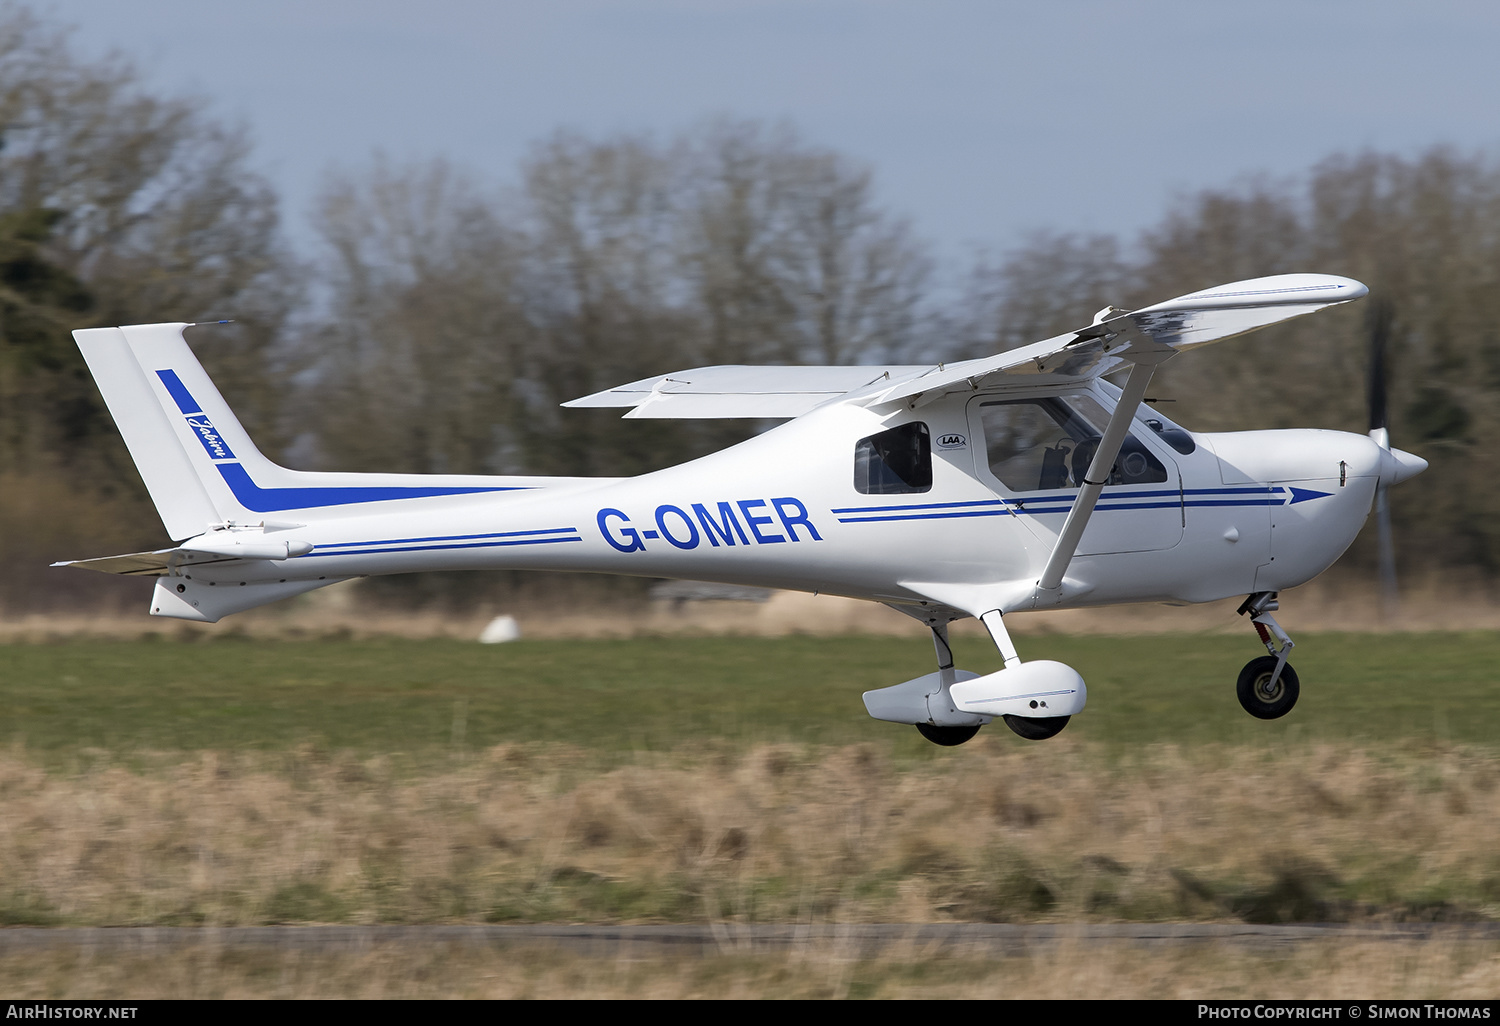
(894, 462)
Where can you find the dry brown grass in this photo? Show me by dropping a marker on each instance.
(1359, 970)
(991, 832)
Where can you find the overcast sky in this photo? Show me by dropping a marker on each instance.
(981, 119)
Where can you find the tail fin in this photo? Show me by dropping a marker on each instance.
(198, 463)
(155, 421)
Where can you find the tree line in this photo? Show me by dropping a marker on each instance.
(445, 317)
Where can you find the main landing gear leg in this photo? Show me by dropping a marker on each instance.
(1268, 686)
(945, 736)
(1032, 728)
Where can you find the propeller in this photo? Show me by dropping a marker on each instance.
(1380, 332)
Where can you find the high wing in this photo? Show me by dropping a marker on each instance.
(1117, 338)
(733, 391)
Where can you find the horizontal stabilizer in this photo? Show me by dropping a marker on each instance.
(735, 391)
(183, 596)
(246, 543)
(145, 564)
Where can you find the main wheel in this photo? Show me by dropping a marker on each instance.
(1036, 728)
(1259, 697)
(947, 736)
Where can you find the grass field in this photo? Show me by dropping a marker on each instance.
(678, 780)
(421, 700)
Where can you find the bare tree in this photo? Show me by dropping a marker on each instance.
(116, 206)
(791, 259)
(151, 205)
(602, 288)
(1050, 284)
(734, 242)
(416, 369)
(617, 259)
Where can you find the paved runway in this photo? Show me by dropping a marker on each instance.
(715, 939)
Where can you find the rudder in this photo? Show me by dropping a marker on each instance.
(150, 420)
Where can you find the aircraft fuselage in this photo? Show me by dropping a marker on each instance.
(1237, 513)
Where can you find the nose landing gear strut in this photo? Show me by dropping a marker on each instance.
(1268, 686)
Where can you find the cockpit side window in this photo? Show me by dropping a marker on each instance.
(894, 462)
(1040, 444)
(1171, 434)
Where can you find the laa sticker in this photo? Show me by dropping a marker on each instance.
(952, 441)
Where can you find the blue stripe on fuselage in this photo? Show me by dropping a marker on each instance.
(924, 505)
(380, 551)
(1040, 505)
(273, 500)
(451, 537)
(953, 515)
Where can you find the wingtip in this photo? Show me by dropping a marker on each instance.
(1348, 288)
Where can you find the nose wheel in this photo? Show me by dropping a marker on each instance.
(1263, 692)
(1268, 686)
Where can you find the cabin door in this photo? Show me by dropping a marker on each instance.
(1035, 452)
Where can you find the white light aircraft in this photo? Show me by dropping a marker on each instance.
(981, 489)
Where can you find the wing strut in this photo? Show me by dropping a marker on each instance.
(1098, 472)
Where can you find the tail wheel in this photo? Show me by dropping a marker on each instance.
(948, 737)
(1035, 728)
(1262, 698)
